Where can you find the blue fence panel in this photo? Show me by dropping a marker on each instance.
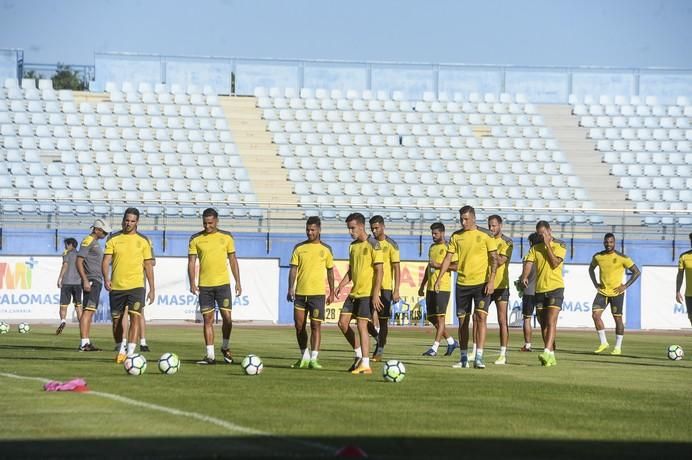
(547, 87)
(120, 68)
(411, 82)
(665, 86)
(250, 76)
(335, 77)
(452, 80)
(8, 64)
(216, 73)
(595, 83)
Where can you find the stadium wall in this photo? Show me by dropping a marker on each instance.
(645, 253)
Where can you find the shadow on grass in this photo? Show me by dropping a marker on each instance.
(327, 447)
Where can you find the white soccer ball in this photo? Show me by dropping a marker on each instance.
(675, 352)
(23, 328)
(169, 363)
(4, 327)
(135, 364)
(393, 371)
(252, 365)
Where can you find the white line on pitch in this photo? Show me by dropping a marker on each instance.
(194, 415)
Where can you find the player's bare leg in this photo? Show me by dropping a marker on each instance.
(133, 333)
(550, 315)
(347, 330)
(143, 333)
(226, 329)
(315, 341)
(381, 338)
(504, 330)
(619, 335)
(596, 315)
(63, 319)
(480, 330)
(119, 338)
(527, 328)
(463, 340)
(300, 321)
(364, 337)
(208, 333)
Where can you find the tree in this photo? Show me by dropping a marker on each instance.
(32, 74)
(66, 78)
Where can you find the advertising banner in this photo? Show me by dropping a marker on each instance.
(660, 310)
(28, 290)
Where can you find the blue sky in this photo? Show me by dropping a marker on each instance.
(627, 33)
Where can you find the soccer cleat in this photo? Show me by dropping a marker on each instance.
(451, 348)
(463, 364)
(551, 361)
(544, 358)
(526, 349)
(616, 351)
(120, 358)
(356, 364)
(301, 364)
(206, 360)
(502, 359)
(601, 348)
(60, 328)
(227, 356)
(89, 347)
(478, 363)
(430, 352)
(314, 364)
(144, 349)
(361, 370)
(376, 357)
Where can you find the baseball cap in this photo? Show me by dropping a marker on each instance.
(100, 223)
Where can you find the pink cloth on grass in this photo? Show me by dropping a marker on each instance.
(70, 385)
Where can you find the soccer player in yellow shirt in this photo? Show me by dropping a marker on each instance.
(685, 269)
(309, 262)
(391, 273)
(500, 296)
(610, 290)
(214, 247)
(476, 252)
(548, 257)
(436, 302)
(365, 270)
(132, 259)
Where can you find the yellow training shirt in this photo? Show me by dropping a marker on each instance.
(437, 253)
(390, 255)
(472, 248)
(547, 279)
(362, 258)
(611, 268)
(685, 263)
(212, 249)
(129, 251)
(505, 247)
(312, 261)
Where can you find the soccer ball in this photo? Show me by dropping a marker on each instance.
(393, 371)
(675, 352)
(4, 327)
(135, 364)
(23, 328)
(252, 365)
(169, 363)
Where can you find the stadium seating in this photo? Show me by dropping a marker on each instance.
(378, 150)
(647, 145)
(159, 148)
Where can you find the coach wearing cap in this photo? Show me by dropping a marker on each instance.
(89, 260)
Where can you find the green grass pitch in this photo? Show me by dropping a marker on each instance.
(637, 405)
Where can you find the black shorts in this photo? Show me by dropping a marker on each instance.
(358, 307)
(215, 296)
(468, 295)
(550, 299)
(311, 303)
(386, 299)
(616, 303)
(500, 295)
(71, 293)
(436, 302)
(527, 304)
(90, 300)
(133, 299)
